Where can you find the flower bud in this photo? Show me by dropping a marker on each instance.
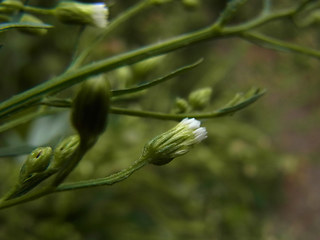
(37, 161)
(94, 14)
(16, 4)
(190, 4)
(64, 151)
(200, 98)
(90, 108)
(181, 106)
(28, 18)
(175, 142)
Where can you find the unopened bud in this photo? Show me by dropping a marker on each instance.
(181, 106)
(64, 151)
(94, 14)
(143, 68)
(190, 4)
(16, 4)
(37, 161)
(199, 99)
(28, 18)
(90, 108)
(175, 142)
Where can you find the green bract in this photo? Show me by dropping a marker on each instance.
(90, 108)
(82, 13)
(37, 161)
(175, 142)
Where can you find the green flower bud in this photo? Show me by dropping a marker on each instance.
(37, 161)
(28, 18)
(16, 4)
(175, 142)
(190, 4)
(64, 151)
(143, 68)
(94, 14)
(199, 99)
(181, 106)
(90, 108)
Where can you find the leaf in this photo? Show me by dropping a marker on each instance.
(240, 101)
(8, 26)
(229, 12)
(158, 80)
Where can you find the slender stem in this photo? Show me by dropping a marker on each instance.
(26, 198)
(111, 27)
(36, 10)
(112, 179)
(276, 44)
(8, 26)
(26, 117)
(156, 81)
(260, 20)
(70, 78)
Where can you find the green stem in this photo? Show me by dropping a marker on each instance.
(70, 78)
(156, 81)
(36, 10)
(26, 198)
(112, 179)
(111, 27)
(276, 44)
(26, 117)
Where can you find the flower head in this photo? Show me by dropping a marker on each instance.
(37, 161)
(94, 14)
(175, 142)
(90, 108)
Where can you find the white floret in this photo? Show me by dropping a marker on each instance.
(100, 14)
(191, 123)
(200, 134)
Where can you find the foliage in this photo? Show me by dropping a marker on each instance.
(224, 189)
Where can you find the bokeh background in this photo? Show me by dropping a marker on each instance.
(254, 177)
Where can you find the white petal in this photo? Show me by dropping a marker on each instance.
(191, 123)
(100, 14)
(200, 134)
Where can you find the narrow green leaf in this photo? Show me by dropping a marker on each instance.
(8, 26)
(156, 81)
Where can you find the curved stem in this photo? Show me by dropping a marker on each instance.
(112, 179)
(25, 198)
(276, 44)
(156, 81)
(36, 10)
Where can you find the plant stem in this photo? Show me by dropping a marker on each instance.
(276, 44)
(111, 27)
(36, 10)
(112, 179)
(156, 81)
(25, 198)
(70, 78)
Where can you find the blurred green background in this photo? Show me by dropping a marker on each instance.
(254, 177)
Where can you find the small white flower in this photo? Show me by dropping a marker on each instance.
(95, 14)
(100, 14)
(175, 142)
